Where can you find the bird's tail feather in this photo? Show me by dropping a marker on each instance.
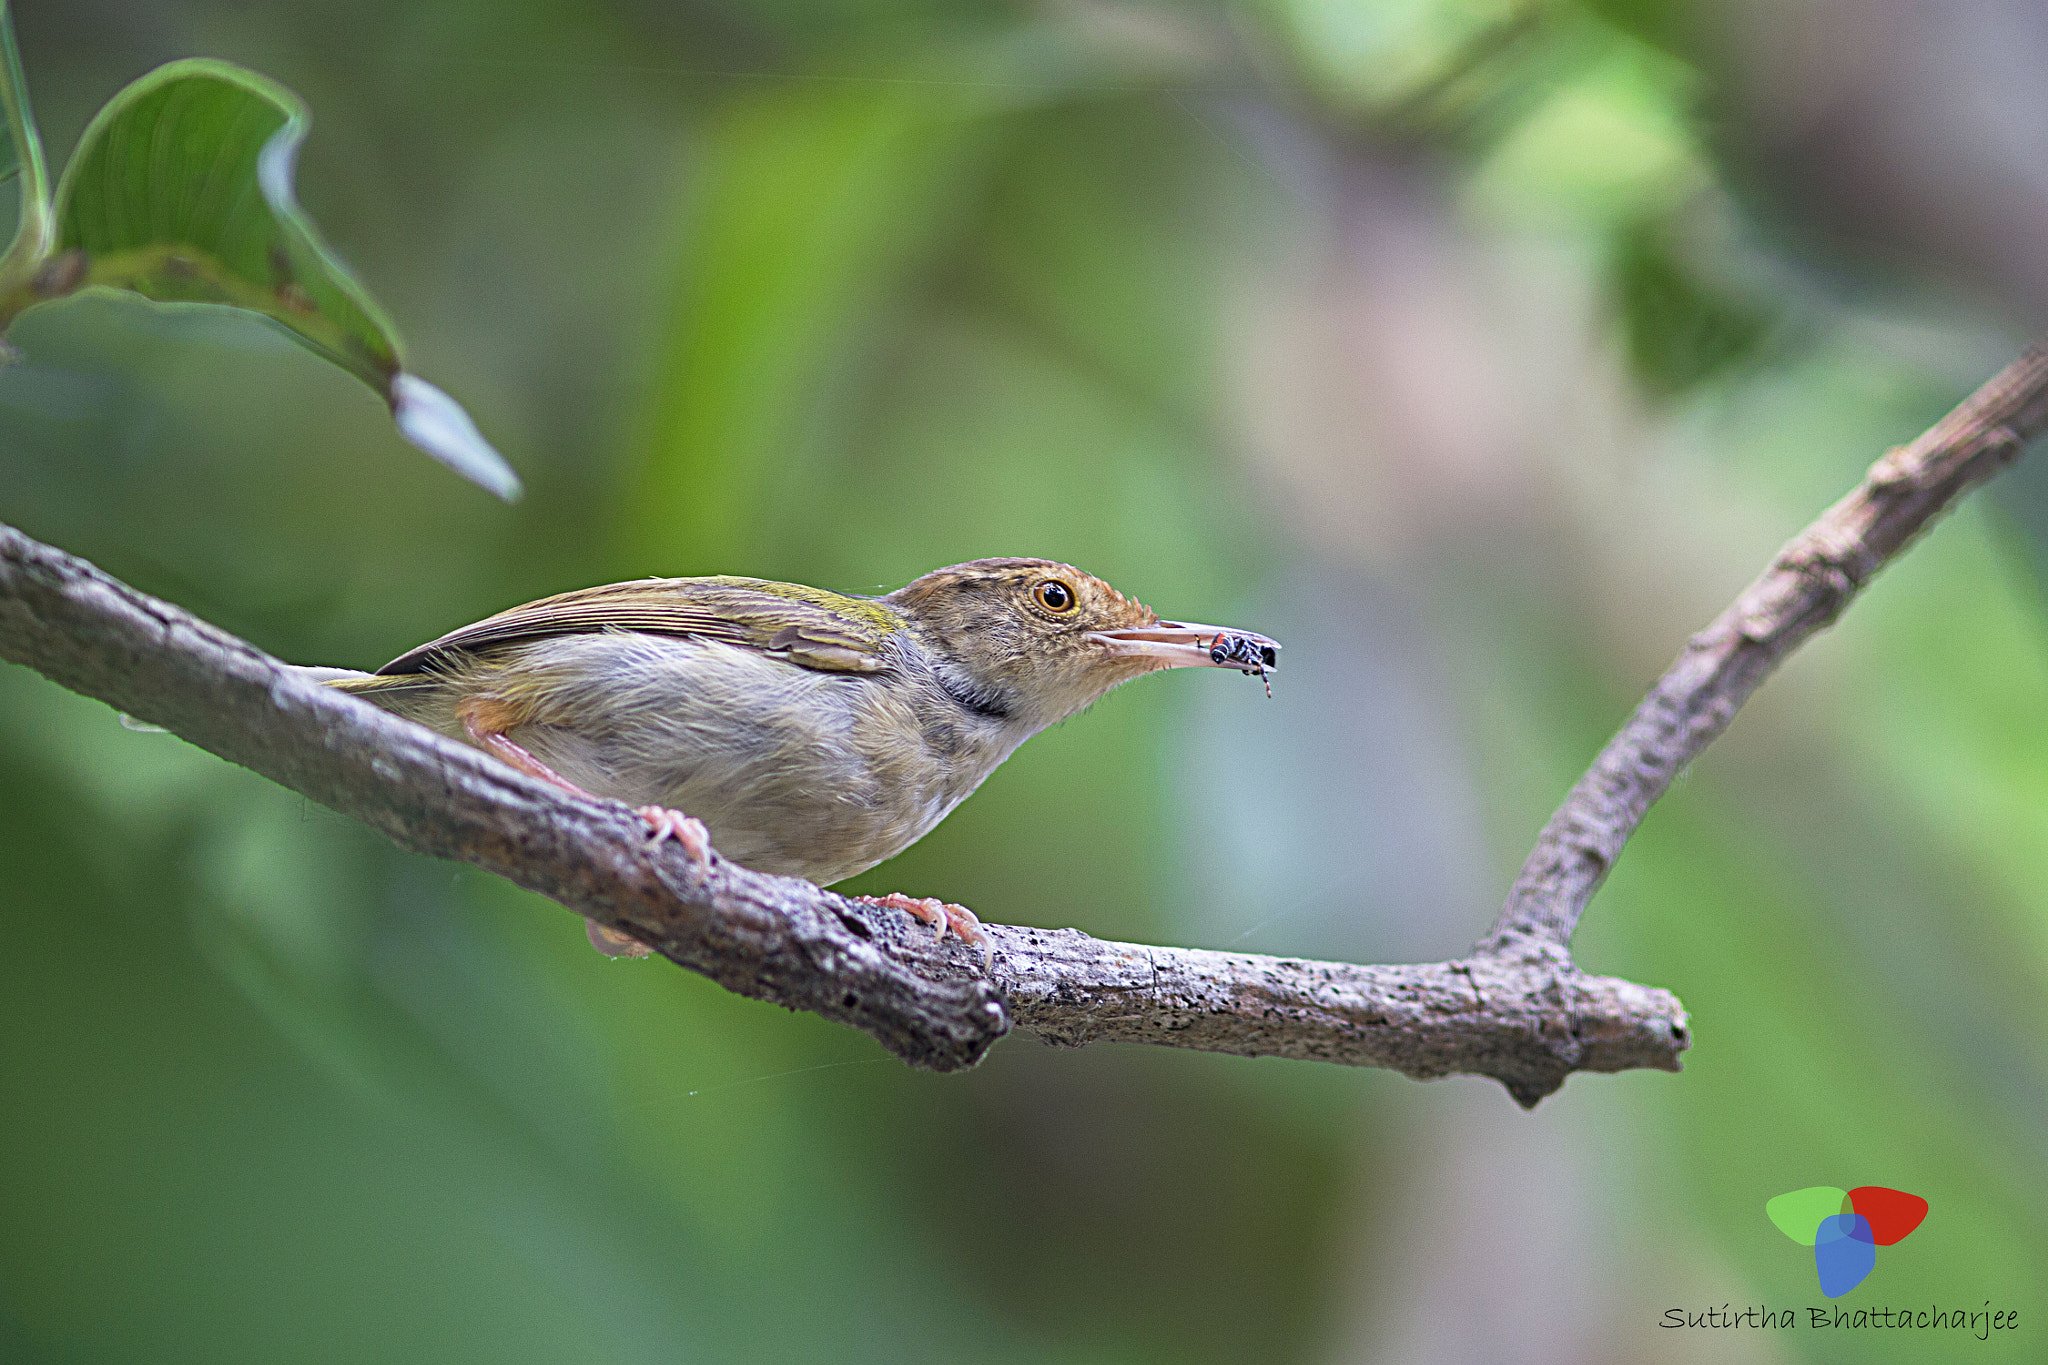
(322, 674)
(416, 696)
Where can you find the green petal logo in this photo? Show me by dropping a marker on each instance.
(1845, 1228)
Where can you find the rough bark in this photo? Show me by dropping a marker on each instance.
(1808, 584)
(1517, 1009)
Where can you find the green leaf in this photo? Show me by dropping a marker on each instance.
(21, 151)
(1681, 327)
(181, 191)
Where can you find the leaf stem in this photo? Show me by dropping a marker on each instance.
(35, 233)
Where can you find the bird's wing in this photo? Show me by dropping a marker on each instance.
(807, 626)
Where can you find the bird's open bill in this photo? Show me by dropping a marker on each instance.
(1183, 644)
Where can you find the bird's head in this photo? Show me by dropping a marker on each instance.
(1035, 641)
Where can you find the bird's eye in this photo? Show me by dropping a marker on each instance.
(1054, 596)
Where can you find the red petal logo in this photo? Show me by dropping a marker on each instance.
(1891, 1213)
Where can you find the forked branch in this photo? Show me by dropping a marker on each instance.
(1809, 583)
(1517, 1009)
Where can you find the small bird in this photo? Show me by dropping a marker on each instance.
(804, 732)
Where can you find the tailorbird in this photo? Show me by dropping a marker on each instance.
(804, 732)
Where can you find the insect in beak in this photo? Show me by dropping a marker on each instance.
(1183, 644)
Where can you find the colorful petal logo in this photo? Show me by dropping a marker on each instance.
(1845, 1228)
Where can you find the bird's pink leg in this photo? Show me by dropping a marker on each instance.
(477, 722)
(943, 914)
(612, 943)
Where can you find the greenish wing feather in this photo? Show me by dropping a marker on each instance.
(811, 628)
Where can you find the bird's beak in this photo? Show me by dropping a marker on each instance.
(1183, 644)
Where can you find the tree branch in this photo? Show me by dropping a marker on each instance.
(1805, 588)
(1517, 1009)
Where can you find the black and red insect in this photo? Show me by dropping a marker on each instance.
(1245, 654)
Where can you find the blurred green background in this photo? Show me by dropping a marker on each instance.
(1478, 350)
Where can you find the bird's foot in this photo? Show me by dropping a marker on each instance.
(944, 915)
(612, 943)
(664, 823)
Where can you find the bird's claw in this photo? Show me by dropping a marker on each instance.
(662, 823)
(690, 833)
(942, 915)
